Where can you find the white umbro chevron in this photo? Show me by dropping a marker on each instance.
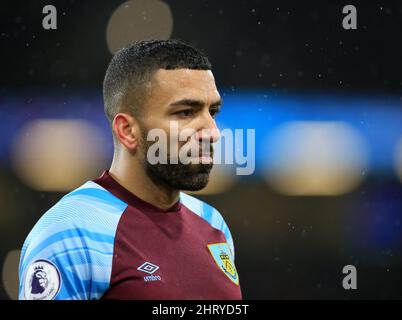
(148, 267)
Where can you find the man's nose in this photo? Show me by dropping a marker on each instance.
(209, 131)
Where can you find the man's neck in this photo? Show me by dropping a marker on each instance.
(133, 177)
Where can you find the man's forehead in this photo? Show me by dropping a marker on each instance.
(169, 86)
(185, 79)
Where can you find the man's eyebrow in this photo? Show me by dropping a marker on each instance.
(217, 103)
(194, 103)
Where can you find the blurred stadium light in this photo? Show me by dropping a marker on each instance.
(58, 155)
(138, 20)
(316, 158)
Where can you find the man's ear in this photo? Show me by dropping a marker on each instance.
(126, 130)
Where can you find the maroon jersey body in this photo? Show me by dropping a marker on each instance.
(170, 254)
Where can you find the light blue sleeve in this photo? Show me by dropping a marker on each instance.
(68, 254)
(75, 264)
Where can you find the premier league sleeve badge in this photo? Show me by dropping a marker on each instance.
(42, 281)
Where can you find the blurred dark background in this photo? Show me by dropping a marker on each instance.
(325, 103)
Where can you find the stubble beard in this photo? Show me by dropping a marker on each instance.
(191, 177)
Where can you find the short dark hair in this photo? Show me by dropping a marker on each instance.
(133, 65)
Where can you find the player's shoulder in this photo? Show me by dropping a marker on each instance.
(208, 213)
(88, 212)
(76, 235)
(88, 207)
(92, 195)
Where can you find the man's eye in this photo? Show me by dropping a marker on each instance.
(214, 112)
(185, 113)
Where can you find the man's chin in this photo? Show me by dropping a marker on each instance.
(194, 183)
(200, 168)
(191, 177)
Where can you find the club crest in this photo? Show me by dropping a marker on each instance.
(224, 259)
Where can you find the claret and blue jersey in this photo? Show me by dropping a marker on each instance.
(102, 242)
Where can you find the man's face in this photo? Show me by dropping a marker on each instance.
(189, 100)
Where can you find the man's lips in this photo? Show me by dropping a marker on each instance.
(204, 156)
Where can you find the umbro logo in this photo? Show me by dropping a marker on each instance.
(150, 268)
